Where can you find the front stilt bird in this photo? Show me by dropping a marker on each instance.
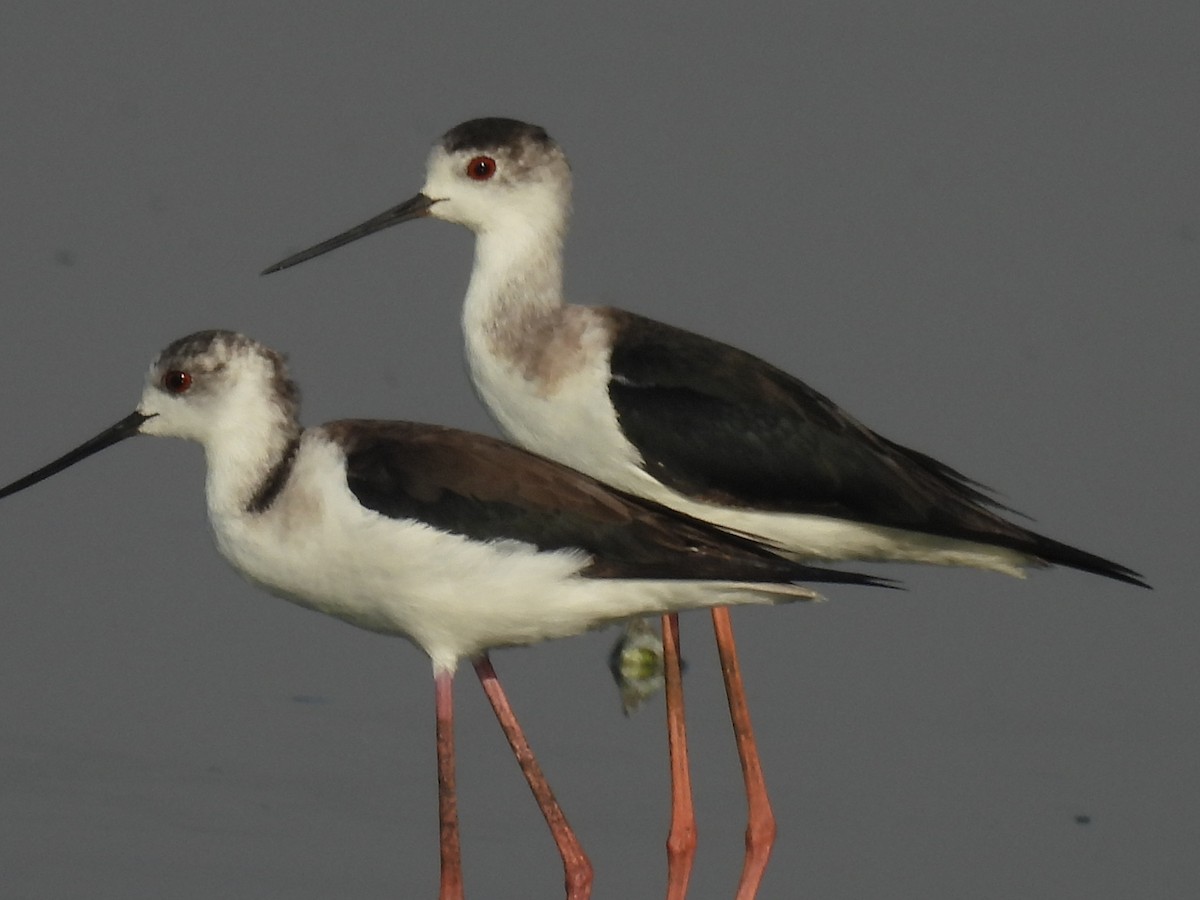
(687, 421)
(455, 541)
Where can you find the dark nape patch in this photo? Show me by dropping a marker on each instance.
(276, 478)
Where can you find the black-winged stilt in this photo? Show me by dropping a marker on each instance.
(455, 541)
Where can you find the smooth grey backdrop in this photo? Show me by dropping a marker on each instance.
(977, 227)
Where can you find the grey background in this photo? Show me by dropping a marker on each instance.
(977, 227)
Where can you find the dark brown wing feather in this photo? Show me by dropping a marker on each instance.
(486, 489)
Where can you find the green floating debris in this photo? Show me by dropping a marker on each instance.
(636, 663)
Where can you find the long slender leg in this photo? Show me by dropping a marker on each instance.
(760, 825)
(451, 851)
(681, 841)
(576, 867)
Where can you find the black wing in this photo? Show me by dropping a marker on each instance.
(718, 424)
(486, 489)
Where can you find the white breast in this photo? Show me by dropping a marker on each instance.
(452, 596)
(570, 418)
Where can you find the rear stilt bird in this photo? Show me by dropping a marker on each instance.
(689, 422)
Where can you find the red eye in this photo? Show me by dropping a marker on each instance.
(481, 168)
(176, 382)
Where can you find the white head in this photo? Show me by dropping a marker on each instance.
(492, 175)
(215, 382)
(206, 387)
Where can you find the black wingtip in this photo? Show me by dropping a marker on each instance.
(1120, 573)
(1117, 573)
(891, 584)
(1060, 554)
(808, 574)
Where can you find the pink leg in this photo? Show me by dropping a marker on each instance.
(681, 841)
(760, 826)
(576, 867)
(452, 883)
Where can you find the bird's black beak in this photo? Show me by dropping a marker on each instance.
(127, 427)
(413, 208)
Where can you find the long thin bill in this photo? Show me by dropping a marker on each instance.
(127, 427)
(413, 208)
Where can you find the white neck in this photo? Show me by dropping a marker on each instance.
(516, 281)
(241, 452)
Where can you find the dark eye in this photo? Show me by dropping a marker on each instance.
(176, 382)
(481, 168)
